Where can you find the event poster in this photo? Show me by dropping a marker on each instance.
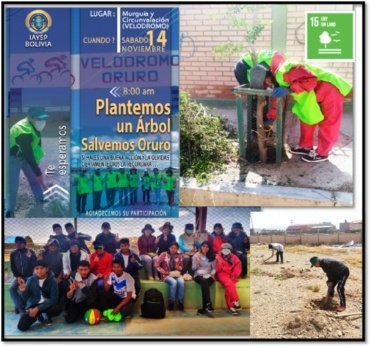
(107, 83)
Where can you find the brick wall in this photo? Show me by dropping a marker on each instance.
(204, 26)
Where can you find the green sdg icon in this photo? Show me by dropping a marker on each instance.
(330, 36)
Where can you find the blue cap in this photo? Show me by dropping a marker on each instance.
(37, 113)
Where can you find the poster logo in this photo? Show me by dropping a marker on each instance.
(330, 36)
(38, 21)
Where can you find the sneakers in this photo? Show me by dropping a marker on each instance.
(313, 157)
(237, 305)
(299, 150)
(209, 307)
(181, 306)
(341, 308)
(171, 306)
(233, 311)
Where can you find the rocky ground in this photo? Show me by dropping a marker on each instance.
(287, 299)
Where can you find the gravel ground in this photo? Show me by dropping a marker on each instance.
(286, 299)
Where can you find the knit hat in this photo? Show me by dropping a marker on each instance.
(20, 239)
(314, 261)
(258, 75)
(237, 225)
(148, 226)
(189, 226)
(167, 224)
(40, 263)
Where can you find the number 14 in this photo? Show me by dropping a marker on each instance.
(160, 39)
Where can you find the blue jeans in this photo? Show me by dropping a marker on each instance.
(15, 167)
(176, 284)
(16, 297)
(157, 195)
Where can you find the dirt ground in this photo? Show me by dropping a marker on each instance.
(286, 299)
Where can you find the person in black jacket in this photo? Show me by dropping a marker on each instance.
(109, 240)
(54, 259)
(337, 274)
(40, 295)
(131, 261)
(74, 235)
(22, 261)
(64, 242)
(166, 239)
(240, 243)
(81, 293)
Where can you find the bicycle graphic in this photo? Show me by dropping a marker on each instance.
(184, 37)
(56, 67)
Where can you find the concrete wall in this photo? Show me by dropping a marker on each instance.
(308, 239)
(204, 26)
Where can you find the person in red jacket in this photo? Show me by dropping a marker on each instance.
(218, 237)
(147, 250)
(228, 269)
(100, 264)
(318, 102)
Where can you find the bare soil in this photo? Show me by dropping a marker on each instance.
(287, 299)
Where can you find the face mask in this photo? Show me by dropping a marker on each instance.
(40, 125)
(225, 251)
(189, 232)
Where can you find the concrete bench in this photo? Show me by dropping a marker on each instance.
(193, 294)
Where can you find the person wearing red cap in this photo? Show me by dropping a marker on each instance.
(26, 153)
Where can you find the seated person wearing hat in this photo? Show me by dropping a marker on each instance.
(40, 294)
(100, 263)
(228, 269)
(147, 247)
(187, 246)
(337, 273)
(26, 154)
(239, 240)
(22, 261)
(166, 239)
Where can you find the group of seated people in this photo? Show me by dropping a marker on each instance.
(65, 276)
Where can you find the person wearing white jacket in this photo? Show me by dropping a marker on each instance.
(279, 248)
(72, 258)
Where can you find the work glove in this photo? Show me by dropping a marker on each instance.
(280, 92)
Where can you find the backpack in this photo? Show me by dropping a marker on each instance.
(153, 305)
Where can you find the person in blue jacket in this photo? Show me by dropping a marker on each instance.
(40, 294)
(240, 243)
(131, 261)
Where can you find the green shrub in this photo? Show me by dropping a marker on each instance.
(205, 146)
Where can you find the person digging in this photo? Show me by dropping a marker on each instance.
(337, 273)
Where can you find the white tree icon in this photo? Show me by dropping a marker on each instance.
(325, 38)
